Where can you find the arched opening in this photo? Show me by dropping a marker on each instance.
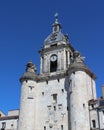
(53, 66)
(53, 63)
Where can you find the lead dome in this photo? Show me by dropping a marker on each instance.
(56, 34)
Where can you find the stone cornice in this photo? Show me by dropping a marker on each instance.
(47, 77)
(9, 117)
(56, 47)
(42, 77)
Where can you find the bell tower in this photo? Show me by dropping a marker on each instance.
(56, 53)
(57, 98)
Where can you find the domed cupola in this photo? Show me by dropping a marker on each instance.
(30, 73)
(56, 35)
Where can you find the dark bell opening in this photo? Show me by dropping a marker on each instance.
(53, 66)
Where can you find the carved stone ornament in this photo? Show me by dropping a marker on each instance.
(77, 57)
(30, 67)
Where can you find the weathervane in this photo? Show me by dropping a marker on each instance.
(56, 15)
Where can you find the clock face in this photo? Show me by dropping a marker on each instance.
(53, 58)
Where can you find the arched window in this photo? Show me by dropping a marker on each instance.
(53, 63)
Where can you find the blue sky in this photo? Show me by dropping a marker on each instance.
(24, 24)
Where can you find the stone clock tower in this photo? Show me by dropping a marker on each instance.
(57, 98)
(56, 54)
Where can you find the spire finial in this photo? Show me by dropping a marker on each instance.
(56, 26)
(56, 15)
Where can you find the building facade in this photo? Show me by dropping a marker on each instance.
(57, 98)
(63, 95)
(10, 121)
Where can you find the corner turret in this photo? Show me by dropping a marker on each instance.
(81, 90)
(28, 101)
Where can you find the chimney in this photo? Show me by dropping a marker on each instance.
(103, 90)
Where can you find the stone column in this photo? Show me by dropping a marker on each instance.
(41, 64)
(64, 59)
(59, 60)
(68, 58)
